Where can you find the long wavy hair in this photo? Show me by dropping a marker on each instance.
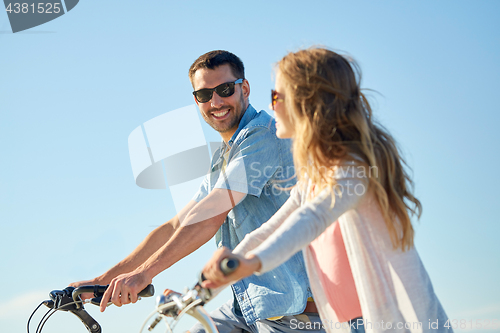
(333, 122)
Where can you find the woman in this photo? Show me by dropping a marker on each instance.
(350, 210)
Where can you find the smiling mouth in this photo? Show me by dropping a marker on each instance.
(220, 114)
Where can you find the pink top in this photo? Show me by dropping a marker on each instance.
(391, 285)
(335, 275)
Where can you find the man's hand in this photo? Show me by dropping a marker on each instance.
(124, 288)
(214, 276)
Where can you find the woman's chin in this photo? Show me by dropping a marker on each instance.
(282, 134)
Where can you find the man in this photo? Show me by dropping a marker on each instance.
(237, 196)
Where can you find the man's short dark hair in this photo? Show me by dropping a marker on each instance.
(213, 59)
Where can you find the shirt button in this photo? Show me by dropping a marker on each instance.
(242, 298)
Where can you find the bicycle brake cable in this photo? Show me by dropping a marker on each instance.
(46, 316)
(32, 314)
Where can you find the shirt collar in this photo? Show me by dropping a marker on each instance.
(249, 114)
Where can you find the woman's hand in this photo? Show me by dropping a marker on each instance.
(214, 276)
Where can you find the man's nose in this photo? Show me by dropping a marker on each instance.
(216, 100)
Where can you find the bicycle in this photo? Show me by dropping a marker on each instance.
(69, 300)
(191, 302)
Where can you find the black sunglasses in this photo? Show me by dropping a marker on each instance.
(223, 90)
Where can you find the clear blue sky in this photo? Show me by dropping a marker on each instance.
(73, 89)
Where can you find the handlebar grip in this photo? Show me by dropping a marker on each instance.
(229, 265)
(100, 290)
(148, 291)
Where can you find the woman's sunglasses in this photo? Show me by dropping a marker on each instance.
(274, 98)
(223, 90)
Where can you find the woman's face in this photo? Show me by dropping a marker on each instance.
(284, 127)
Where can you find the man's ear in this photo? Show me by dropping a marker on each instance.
(245, 87)
(195, 100)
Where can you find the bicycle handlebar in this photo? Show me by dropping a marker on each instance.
(68, 300)
(175, 305)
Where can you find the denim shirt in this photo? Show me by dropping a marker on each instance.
(260, 165)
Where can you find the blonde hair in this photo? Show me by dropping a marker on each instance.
(333, 122)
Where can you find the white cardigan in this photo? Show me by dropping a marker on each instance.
(394, 289)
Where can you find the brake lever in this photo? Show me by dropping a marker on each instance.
(97, 301)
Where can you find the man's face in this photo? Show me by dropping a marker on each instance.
(222, 113)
